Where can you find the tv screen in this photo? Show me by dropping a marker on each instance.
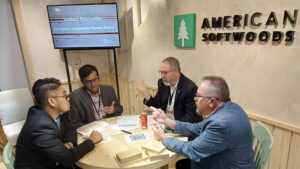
(84, 26)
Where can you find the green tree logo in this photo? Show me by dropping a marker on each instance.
(183, 34)
(184, 30)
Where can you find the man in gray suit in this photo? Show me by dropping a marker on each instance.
(92, 101)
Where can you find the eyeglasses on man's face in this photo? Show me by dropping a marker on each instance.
(93, 81)
(67, 97)
(162, 72)
(204, 97)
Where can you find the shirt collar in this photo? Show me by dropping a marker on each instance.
(216, 109)
(172, 89)
(91, 93)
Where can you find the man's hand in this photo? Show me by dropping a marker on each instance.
(109, 109)
(68, 145)
(141, 86)
(159, 116)
(159, 133)
(96, 137)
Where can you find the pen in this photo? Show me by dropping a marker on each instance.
(126, 132)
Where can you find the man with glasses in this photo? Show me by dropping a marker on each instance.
(47, 139)
(223, 138)
(92, 101)
(175, 93)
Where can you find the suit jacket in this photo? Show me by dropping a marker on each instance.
(224, 140)
(67, 130)
(82, 112)
(40, 146)
(184, 105)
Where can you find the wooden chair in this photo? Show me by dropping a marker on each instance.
(262, 144)
(9, 156)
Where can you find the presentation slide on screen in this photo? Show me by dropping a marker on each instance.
(84, 26)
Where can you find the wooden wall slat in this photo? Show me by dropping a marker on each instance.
(280, 150)
(123, 96)
(294, 154)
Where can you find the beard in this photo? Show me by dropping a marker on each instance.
(166, 83)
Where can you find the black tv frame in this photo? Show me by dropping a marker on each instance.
(86, 48)
(90, 48)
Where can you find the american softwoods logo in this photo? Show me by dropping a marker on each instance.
(184, 30)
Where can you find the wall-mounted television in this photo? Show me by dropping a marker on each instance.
(84, 26)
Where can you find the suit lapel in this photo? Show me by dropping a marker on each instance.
(165, 98)
(178, 92)
(88, 101)
(179, 88)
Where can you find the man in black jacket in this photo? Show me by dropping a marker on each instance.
(175, 93)
(47, 140)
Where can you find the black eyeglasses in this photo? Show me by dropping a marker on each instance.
(205, 97)
(161, 72)
(93, 81)
(65, 96)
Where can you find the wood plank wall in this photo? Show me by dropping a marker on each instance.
(286, 149)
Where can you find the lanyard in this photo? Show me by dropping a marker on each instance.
(171, 96)
(97, 110)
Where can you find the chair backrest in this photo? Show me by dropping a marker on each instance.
(262, 144)
(14, 106)
(9, 156)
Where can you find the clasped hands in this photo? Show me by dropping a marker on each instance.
(159, 119)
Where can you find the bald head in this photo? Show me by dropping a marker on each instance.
(217, 87)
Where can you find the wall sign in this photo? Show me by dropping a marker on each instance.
(231, 28)
(254, 21)
(184, 30)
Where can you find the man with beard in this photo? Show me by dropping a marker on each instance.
(222, 140)
(175, 93)
(92, 101)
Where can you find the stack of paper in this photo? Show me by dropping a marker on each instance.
(88, 128)
(154, 147)
(137, 137)
(155, 151)
(157, 156)
(130, 156)
(128, 121)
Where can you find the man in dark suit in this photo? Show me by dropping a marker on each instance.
(92, 101)
(175, 93)
(47, 140)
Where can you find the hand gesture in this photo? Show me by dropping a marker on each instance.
(109, 109)
(159, 133)
(139, 85)
(96, 137)
(159, 116)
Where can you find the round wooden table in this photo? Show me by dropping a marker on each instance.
(103, 156)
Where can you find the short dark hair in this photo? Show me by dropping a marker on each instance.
(218, 87)
(174, 63)
(42, 87)
(86, 70)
